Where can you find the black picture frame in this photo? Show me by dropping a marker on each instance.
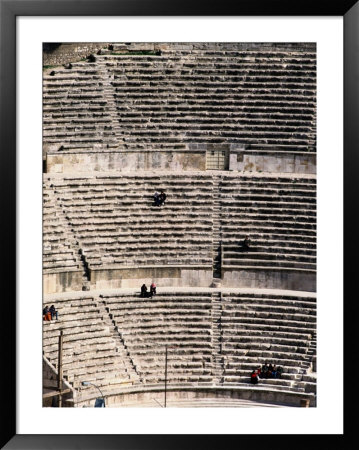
(9, 10)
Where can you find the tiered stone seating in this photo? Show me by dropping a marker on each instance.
(265, 99)
(90, 352)
(259, 328)
(58, 252)
(102, 335)
(279, 215)
(180, 321)
(103, 231)
(115, 222)
(76, 114)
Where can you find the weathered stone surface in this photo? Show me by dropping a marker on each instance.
(147, 116)
(165, 96)
(62, 281)
(125, 161)
(275, 162)
(269, 279)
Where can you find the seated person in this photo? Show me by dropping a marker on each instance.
(279, 371)
(156, 198)
(246, 244)
(53, 312)
(274, 371)
(254, 377)
(163, 197)
(153, 289)
(144, 290)
(265, 370)
(270, 371)
(46, 313)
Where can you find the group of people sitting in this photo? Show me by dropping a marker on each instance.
(49, 313)
(144, 290)
(266, 371)
(159, 199)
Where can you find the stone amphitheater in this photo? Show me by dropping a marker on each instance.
(228, 131)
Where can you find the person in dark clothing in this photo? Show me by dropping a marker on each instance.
(279, 371)
(274, 371)
(163, 197)
(270, 371)
(246, 244)
(157, 199)
(265, 370)
(144, 290)
(53, 312)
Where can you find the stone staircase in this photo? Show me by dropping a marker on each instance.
(311, 354)
(216, 232)
(214, 338)
(217, 337)
(71, 240)
(90, 352)
(120, 345)
(180, 321)
(108, 94)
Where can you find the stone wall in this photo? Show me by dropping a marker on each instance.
(177, 160)
(269, 279)
(71, 52)
(125, 161)
(133, 277)
(64, 281)
(274, 162)
(165, 276)
(262, 395)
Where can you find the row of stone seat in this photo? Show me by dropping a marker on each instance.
(200, 47)
(299, 92)
(195, 122)
(282, 114)
(203, 62)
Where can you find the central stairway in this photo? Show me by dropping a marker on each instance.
(217, 336)
(216, 232)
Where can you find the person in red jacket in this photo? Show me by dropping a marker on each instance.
(152, 289)
(254, 377)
